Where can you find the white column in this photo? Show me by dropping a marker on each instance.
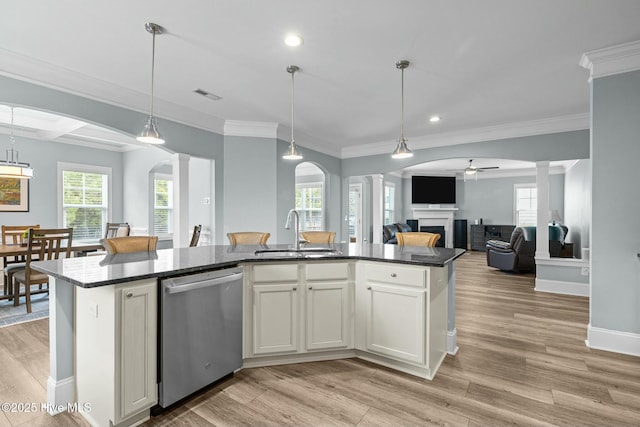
(377, 196)
(542, 228)
(180, 164)
(61, 381)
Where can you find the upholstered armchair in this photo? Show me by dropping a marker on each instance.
(516, 255)
(389, 232)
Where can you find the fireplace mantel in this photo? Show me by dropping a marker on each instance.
(437, 216)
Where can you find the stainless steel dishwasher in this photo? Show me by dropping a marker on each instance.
(200, 331)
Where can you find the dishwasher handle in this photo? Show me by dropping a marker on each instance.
(171, 288)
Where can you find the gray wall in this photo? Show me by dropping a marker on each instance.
(577, 205)
(43, 156)
(615, 230)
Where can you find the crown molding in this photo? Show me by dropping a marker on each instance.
(488, 133)
(612, 60)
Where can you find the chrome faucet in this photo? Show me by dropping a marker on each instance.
(296, 224)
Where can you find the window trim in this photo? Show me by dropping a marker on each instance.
(164, 177)
(516, 187)
(79, 167)
(386, 185)
(313, 184)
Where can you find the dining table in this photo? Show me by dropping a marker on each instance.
(80, 248)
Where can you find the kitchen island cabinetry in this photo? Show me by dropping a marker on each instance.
(116, 354)
(402, 315)
(297, 307)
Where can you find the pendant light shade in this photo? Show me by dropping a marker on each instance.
(11, 167)
(292, 152)
(150, 133)
(402, 151)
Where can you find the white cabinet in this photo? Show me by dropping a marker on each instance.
(395, 322)
(297, 307)
(116, 351)
(329, 309)
(402, 314)
(272, 297)
(275, 319)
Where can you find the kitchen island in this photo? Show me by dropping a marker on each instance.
(342, 302)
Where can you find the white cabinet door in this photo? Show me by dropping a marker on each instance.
(328, 313)
(395, 322)
(275, 318)
(138, 325)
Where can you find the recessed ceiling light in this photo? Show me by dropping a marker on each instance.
(434, 119)
(293, 40)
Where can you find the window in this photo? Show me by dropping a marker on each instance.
(389, 202)
(526, 205)
(163, 204)
(85, 196)
(309, 205)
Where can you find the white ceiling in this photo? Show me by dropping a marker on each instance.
(491, 64)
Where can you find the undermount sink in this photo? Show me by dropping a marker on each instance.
(298, 253)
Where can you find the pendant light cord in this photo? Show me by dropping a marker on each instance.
(292, 109)
(402, 105)
(153, 62)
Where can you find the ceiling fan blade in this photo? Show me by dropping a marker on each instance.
(489, 167)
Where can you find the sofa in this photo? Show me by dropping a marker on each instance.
(389, 232)
(519, 253)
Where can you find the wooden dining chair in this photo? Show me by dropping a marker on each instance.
(195, 236)
(248, 238)
(121, 245)
(43, 244)
(417, 238)
(117, 229)
(13, 235)
(318, 236)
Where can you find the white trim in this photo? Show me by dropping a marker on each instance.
(610, 340)
(488, 133)
(60, 394)
(452, 342)
(563, 262)
(612, 60)
(251, 129)
(562, 287)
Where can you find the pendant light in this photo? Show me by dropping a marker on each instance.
(150, 133)
(402, 151)
(11, 166)
(292, 152)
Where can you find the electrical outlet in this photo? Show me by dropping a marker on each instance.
(585, 271)
(206, 201)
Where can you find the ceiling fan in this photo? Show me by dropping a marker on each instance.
(472, 170)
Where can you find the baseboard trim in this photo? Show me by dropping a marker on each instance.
(59, 394)
(561, 287)
(452, 342)
(610, 340)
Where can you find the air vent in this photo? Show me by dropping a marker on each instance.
(207, 94)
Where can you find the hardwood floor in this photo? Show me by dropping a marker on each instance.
(522, 361)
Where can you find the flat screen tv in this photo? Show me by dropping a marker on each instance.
(433, 189)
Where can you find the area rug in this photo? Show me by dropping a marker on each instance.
(10, 315)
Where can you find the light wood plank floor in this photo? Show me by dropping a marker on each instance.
(522, 361)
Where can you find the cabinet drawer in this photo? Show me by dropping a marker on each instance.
(328, 271)
(275, 273)
(395, 274)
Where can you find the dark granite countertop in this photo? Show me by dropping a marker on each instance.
(93, 271)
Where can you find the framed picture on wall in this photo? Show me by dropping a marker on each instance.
(14, 195)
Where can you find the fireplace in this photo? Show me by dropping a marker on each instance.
(436, 229)
(437, 217)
